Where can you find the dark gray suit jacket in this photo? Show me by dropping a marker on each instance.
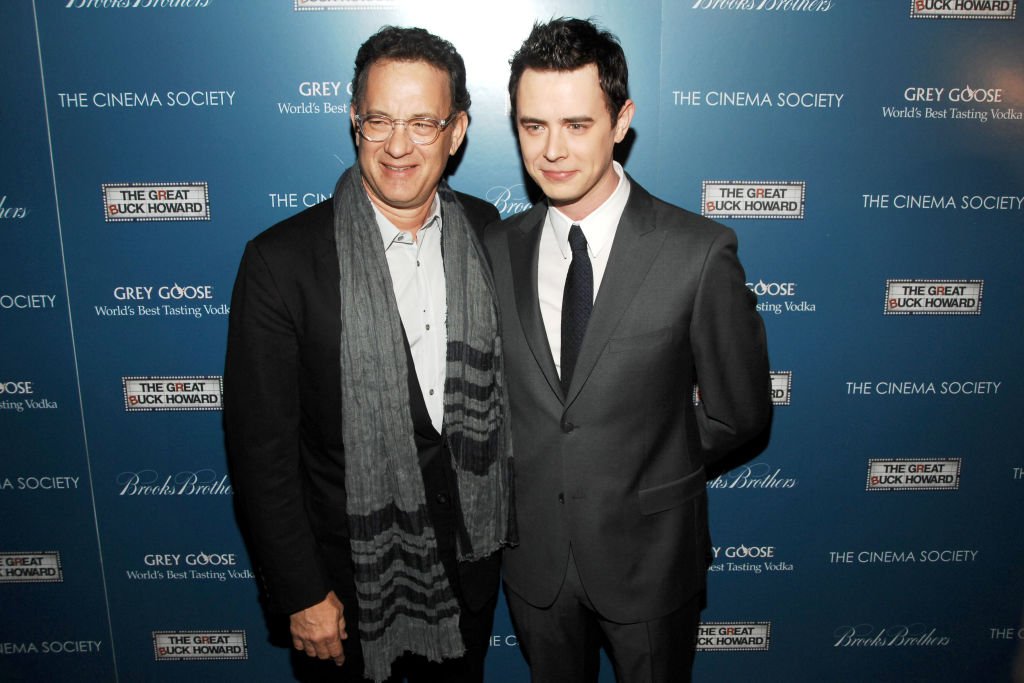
(616, 467)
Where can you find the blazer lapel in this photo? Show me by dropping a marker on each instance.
(524, 247)
(634, 248)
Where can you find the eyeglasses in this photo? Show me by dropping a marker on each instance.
(421, 130)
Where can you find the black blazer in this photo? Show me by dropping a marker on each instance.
(282, 404)
(616, 465)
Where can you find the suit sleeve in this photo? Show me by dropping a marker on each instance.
(261, 414)
(730, 354)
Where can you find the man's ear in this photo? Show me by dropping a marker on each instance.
(355, 128)
(458, 127)
(625, 120)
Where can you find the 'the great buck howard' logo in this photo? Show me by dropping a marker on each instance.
(194, 392)
(782, 382)
(38, 567)
(910, 474)
(752, 199)
(734, 635)
(156, 202)
(933, 297)
(963, 9)
(193, 645)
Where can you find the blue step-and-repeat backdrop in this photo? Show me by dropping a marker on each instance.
(869, 153)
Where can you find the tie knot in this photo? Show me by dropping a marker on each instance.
(577, 241)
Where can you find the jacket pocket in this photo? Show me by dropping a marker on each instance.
(642, 342)
(673, 494)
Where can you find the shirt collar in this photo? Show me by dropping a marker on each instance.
(391, 235)
(599, 226)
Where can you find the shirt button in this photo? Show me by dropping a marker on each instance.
(431, 392)
(428, 327)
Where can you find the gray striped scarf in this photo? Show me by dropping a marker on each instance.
(406, 603)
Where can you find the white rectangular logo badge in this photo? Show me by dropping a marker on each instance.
(753, 199)
(735, 636)
(933, 297)
(963, 9)
(782, 383)
(34, 567)
(156, 202)
(908, 474)
(176, 646)
(194, 392)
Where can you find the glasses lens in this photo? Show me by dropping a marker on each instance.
(375, 128)
(423, 131)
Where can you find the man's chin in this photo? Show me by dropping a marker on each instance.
(398, 199)
(560, 199)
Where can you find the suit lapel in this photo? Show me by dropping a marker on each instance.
(637, 242)
(524, 247)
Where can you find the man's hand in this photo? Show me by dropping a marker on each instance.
(319, 630)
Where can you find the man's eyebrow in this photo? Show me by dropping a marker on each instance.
(525, 120)
(380, 112)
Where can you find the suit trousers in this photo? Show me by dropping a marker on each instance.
(562, 642)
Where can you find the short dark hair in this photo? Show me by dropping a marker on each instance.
(568, 44)
(411, 45)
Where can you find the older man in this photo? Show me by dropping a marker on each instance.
(364, 403)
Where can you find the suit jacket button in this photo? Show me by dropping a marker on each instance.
(561, 498)
(441, 498)
(567, 427)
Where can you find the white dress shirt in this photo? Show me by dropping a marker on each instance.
(555, 256)
(417, 275)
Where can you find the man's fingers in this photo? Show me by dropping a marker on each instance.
(342, 633)
(336, 652)
(326, 647)
(322, 649)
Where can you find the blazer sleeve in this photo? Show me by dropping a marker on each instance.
(262, 425)
(730, 353)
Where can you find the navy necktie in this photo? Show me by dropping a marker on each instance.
(577, 302)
